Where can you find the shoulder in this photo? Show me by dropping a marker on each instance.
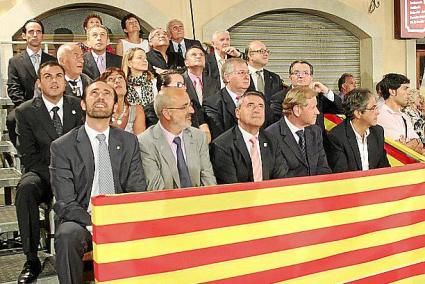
(226, 138)
(147, 135)
(48, 57)
(114, 56)
(29, 105)
(377, 130)
(68, 138)
(315, 130)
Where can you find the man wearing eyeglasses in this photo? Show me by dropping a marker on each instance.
(175, 154)
(220, 108)
(301, 74)
(358, 142)
(178, 43)
(245, 153)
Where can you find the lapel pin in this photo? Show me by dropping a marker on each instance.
(118, 147)
(265, 144)
(73, 111)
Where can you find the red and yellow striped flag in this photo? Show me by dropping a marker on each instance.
(357, 227)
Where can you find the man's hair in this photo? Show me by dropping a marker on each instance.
(95, 27)
(193, 47)
(63, 49)
(126, 17)
(128, 56)
(49, 64)
(151, 34)
(297, 96)
(164, 80)
(356, 99)
(83, 97)
(162, 100)
(216, 33)
(249, 94)
(301, 62)
(90, 16)
(170, 23)
(342, 80)
(392, 81)
(24, 27)
(229, 65)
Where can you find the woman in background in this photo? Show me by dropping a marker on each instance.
(131, 27)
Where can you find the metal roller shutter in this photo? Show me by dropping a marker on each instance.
(331, 49)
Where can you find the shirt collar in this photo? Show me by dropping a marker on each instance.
(193, 77)
(292, 127)
(91, 133)
(358, 136)
(168, 135)
(388, 109)
(30, 52)
(50, 105)
(176, 44)
(246, 135)
(232, 95)
(95, 56)
(69, 79)
(217, 56)
(254, 70)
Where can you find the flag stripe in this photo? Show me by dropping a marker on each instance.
(186, 224)
(195, 240)
(393, 275)
(412, 280)
(123, 213)
(169, 262)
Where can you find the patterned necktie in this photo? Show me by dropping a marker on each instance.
(301, 142)
(179, 49)
(101, 64)
(260, 81)
(181, 165)
(105, 177)
(75, 89)
(198, 89)
(35, 58)
(57, 121)
(257, 168)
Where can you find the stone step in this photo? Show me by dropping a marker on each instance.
(9, 177)
(8, 221)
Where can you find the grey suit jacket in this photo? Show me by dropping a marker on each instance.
(90, 66)
(72, 171)
(160, 163)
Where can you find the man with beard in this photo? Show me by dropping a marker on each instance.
(245, 153)
(174, 154)
(90, 160)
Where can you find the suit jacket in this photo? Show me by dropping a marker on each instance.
(86, 80)
(232, 162)
(220, 112)
(160, 163)
(343, 152)
(22, 76)
(155, 59)
(272, 84)
(72, 171)
(188, 43)
(324, 105)
(90, 66)
(35, 130)
(316, 163)
(209, 88)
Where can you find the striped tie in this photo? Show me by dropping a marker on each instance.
(257, 168)
(57, 121)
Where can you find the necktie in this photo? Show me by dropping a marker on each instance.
(57, 121)
(179, 49)
(35, 58)
(181, 165)
(198, 89)
(260, 81)
(75, 89)
(257, 169)
(106, 178)
(301, 142)
(101, 64)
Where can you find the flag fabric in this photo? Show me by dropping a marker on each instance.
(355, 227)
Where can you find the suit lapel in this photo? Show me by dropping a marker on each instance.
(27, 63)
(352, 140)
(230, 105)
(290, 141)
(191, 155)
(115, 148)
(190, 88)
(86, 153)
(372, 150)
(69, 115)
(266, 160)
(43, 116)
(91, 64)
(239, 143)
(267, 85)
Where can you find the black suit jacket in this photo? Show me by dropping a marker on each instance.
(272, 84)
(232, 163)
(343, 152)
(72, 171)
(36, 132)
(86, 80)
(220, 112)
(90, 66)
(155, 59)
(298, 166)
(324, 105)
(188, 43)
(22, 76)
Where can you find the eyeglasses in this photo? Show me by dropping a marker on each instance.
(184, 107)
(300, 73)
(261, 51)
(373, 108)
(241, 73)
(180, 85)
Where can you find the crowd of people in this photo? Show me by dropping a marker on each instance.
(164, 113)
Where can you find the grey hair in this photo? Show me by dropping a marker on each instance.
(249, 94)
(356, 99)
(160, 102)
(229, 66)
(62, 50)
(216, 33)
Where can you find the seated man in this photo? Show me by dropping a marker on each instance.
(245, 153)
(357, 143)
(300, 139)
(174, 154)
(178, 43)
(90, 160)
(39, 121)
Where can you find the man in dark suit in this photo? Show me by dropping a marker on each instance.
(245, 153)
(39, 121)
(97, 60)
(178, 43)
(22, 70)
(90, 160)
(222, 51)
(220, 108)
(300, 139)
(70, 56)
(358, 142)
(301, 74)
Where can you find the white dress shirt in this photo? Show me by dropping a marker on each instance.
(50, 105)
(293, 129)
(362, 144)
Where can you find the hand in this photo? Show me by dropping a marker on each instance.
(232, 51)
(414, 144)
(319, 87)
(158, 70)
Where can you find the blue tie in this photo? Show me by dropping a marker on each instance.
(181, 165)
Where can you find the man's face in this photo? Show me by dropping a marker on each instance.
(370, 115)
(177, 81)
(177, 31)
(93, 22)
(73, 61)
(131, 25)
(251, 113)
(300, 75)
(349, 85)
(98, 39)
(258, 54)
(401, 95)
(239, 79)
(139, 61)
(180, 109)
(195, 58)
(308, 114)
(159, 38)
(221, 41)
(52, 82)
(99, 101)
(33, 35)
